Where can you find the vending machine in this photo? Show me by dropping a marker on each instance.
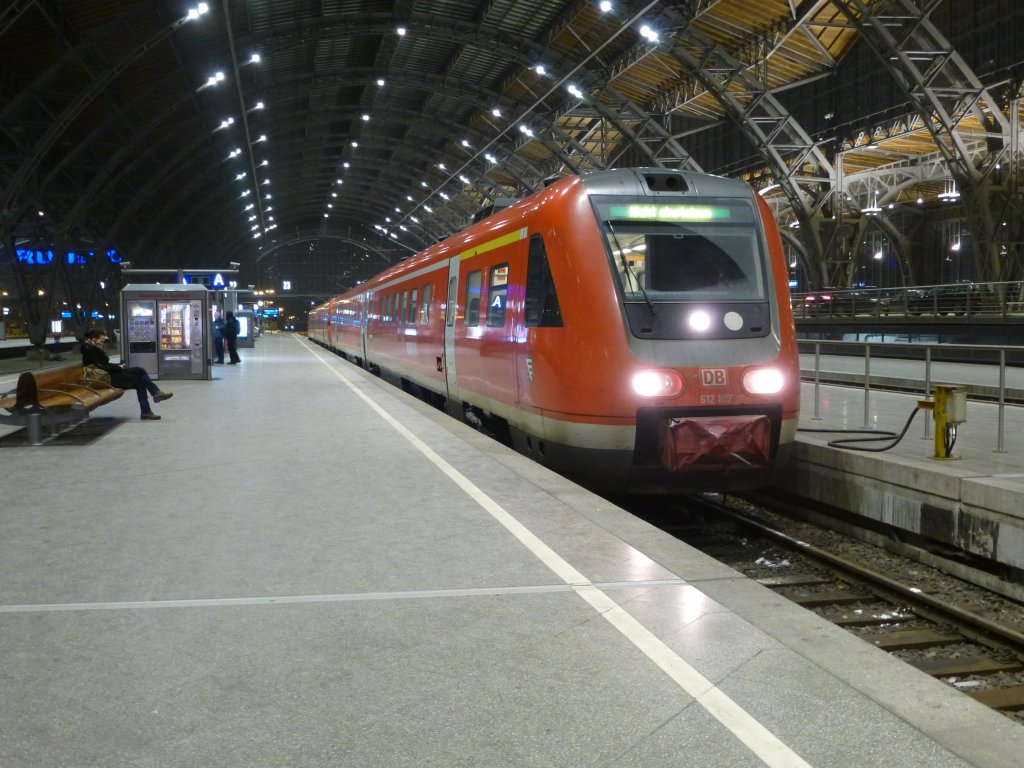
(166, 330)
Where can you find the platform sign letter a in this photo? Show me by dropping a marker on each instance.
(713, 377)
(218, 280)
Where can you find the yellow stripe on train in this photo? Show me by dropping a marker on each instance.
(490, 245)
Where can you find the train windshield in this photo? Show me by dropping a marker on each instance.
(685, 251)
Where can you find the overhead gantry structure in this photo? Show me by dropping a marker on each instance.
(237, 130)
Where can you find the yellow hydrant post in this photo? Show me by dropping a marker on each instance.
(949, 409)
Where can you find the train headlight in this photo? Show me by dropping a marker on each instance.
(763, 381)
(657, 383)
(700, 321)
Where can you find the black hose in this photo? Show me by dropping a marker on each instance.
(949, 440)
(878, 435)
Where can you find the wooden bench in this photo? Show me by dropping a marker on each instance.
(53, 398)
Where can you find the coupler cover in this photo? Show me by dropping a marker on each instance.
(715, 442)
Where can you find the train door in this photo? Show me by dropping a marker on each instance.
(450, 314)
(364, 315)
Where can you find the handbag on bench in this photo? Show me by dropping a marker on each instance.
(94, 375)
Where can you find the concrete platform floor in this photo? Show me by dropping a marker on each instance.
(302, 566)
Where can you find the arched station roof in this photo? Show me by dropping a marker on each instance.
(224, 131)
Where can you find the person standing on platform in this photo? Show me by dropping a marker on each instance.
(120, 376)
(230, 332)
(218, 338)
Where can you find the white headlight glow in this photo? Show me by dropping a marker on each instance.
(657, 383)
(700, 320)
(763, 381)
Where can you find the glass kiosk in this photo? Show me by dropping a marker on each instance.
(247, 329)
(165, 329)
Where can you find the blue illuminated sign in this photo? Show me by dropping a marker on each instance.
(26, 256)
(214, 281)
(43, 256)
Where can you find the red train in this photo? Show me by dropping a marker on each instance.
(628, 328)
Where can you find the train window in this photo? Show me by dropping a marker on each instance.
(496, 296)
(425, 305)
(403, 308)
(473, 298)
(541, 306)
(411, 317)
(699, 252)
(385, 309)
(690, 263)
(450, 302)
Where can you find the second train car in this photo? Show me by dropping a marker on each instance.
(628, 328)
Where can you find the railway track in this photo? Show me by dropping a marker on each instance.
(962, 634)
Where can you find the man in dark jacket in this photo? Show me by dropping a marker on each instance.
(218, 338)
(230, 333)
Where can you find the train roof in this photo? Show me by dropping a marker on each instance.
(640, 182)
(646, 182)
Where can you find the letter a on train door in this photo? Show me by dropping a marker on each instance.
(450, 314)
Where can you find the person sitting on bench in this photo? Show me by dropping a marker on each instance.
(126, 378)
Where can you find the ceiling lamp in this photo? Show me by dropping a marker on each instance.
(950, 192)
(648, 34)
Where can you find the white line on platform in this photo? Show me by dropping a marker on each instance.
(349, 597)
(762, 742)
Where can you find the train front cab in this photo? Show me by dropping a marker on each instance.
(697, 304)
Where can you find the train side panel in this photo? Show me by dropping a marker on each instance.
(491, 272)
(317, 327)
(405, 330)
(575, 369)
(346, 326)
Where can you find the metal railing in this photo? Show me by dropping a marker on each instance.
(912, 353)
(952, 300)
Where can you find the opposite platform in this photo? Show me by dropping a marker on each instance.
(974, 502)
(302, 566)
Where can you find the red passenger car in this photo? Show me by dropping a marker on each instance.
(629, 328)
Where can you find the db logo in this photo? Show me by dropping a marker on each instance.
(713, 377)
